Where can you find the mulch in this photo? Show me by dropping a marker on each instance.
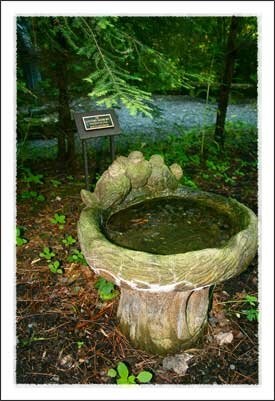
(67, 334)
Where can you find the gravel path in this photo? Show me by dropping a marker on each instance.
(184, 111)
(176, 113)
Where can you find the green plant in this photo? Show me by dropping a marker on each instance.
(59, 219)
(79, 344)
(97, 177)
(250, 300)
(55, 267)
(40, 198)
(26, 342)
(251, 314)
(32, 195)
(69, 240)
(122, 375)
(20, 240)
(28, 194)
(227, 179)
(106, 289)
(29, 177)
(56, 183)
(205, 176)
(188, 182)
(221, 167)
(47, 253)
(77, 257)
(70, 177)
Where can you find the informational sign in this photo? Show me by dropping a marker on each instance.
(97, 123)
(94, 124)
(100, 121)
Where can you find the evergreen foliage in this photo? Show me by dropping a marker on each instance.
(121, 61)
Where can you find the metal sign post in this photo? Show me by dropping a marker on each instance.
(95, 124)
(85, 156)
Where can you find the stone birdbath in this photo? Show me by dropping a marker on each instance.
(164, 245)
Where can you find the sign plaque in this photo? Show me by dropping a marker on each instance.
(99, 121)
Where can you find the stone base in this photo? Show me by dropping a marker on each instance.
(163, 323)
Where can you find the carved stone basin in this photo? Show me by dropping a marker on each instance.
(164, 245)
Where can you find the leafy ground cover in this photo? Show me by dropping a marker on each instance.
(67, 330)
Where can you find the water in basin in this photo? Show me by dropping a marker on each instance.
(169, 226)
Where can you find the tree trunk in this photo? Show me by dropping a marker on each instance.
(163, 322)
(226, 82)
(66, 145)
(61, 155)
(64, 115)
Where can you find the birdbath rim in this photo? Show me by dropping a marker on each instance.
(150, 272)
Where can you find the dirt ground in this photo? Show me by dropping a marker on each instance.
(67, 334)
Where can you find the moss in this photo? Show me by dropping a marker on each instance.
(138, 173)
(111, 191)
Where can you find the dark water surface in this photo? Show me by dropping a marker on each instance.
(169, 226)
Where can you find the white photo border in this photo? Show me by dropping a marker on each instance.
(264, 10)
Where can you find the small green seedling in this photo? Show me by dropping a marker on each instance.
(28, 194)
(55, 267)
(56, 183)
(59, 219)
(251, 314)
(70, 177)
(32, 195)
(19, 240)
(41, 198)
(106, 289)
(188, 182)
(77, 257)
(68, 241)
(79, 344)
(122, 375)
(47, 253)
(205, 176)
(250, 300)
(26, 342)
(29, 177)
